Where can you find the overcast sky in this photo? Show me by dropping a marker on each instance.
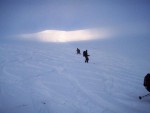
(29, 16)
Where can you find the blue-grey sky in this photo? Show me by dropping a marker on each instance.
(28, 16)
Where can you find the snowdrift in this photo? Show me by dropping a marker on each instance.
(51, 78)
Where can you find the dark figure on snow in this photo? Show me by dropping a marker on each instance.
(147, 82)
(78, 51)
(85, 54)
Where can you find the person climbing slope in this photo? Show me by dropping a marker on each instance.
(85, 54)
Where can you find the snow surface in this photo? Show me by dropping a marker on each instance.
(51, 78)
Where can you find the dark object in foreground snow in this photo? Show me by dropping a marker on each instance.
(147, 82)
(140, 97)
(146, 85)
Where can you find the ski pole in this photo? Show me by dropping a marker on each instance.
(140, 97)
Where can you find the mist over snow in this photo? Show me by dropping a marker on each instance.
(40, 71)
(26, 16)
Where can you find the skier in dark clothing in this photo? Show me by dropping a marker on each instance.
(78, 51)
(147, 82)
(85, 54)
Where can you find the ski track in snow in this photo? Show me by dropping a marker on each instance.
(53, 79)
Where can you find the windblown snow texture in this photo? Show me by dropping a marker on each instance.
(52, 78)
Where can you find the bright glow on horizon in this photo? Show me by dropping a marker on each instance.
(68, 36)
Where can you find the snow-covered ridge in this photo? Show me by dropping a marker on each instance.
(52, 78)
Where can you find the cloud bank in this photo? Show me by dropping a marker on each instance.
(68, 36)
(87, 34)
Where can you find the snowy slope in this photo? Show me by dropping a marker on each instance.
(52, 78)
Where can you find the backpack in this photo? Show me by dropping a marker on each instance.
(84, 53)
(147, 82)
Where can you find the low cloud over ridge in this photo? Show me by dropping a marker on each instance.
(68, 36)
